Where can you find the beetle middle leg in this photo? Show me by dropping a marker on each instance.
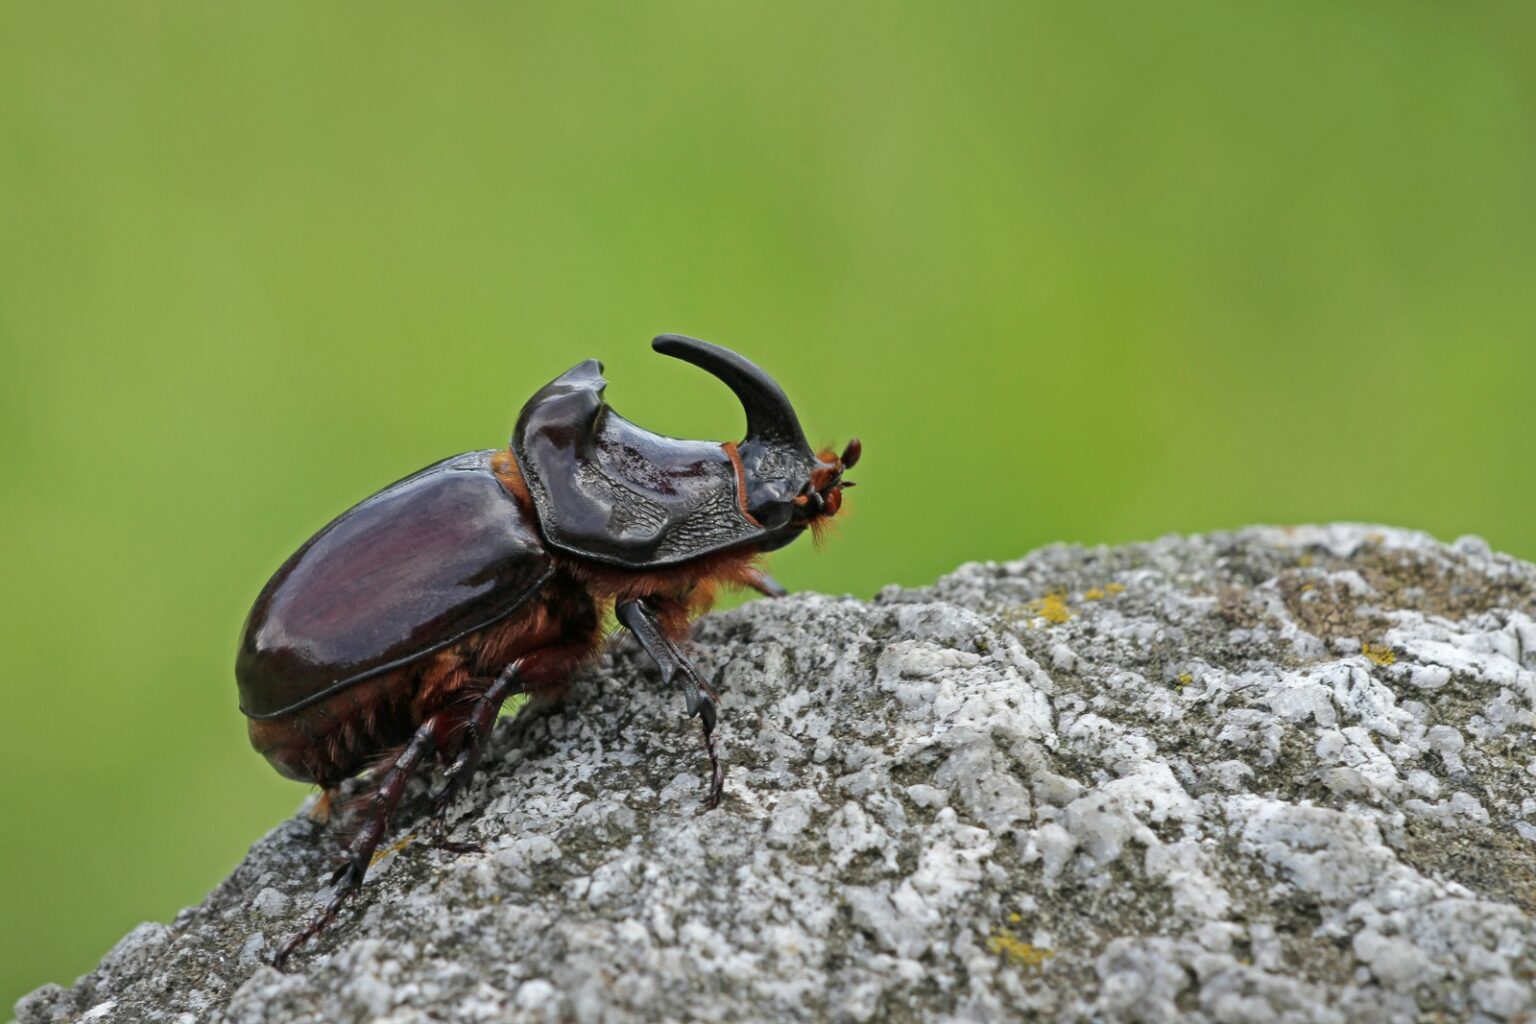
(477, 726)
(643, 621)
(541, 674)
(349, 877)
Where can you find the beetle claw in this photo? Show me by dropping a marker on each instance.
(350, 877)
(705, 711)
(698, 697)
(453, 847)
(438, 832)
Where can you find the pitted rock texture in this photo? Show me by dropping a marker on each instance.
(1274, 775)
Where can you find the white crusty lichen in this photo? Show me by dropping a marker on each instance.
(1274, 775)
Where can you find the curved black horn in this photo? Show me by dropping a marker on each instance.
(770, 417)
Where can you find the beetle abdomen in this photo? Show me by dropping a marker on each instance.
(334, 738)
(412, 569)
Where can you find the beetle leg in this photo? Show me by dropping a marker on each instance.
(386, 796)
(766, 585)
(477, 726)
(699, 698)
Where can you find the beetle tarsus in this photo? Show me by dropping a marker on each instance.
(767, 585)
(716, 769)
(463, 767)
(698, 697)
(348, 880)
(438, 832)
(459, 773)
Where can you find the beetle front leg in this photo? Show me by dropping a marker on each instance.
(699, 699)
(766, 585)
(349, 877)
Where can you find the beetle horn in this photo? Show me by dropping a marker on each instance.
(770, 417)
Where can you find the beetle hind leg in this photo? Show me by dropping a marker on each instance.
(541, 674)
(349, 877)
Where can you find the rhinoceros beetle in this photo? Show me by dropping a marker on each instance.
(395, 634)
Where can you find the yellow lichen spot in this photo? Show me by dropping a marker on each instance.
(1051, 608)
(1307, 588)
(1305, 561)
(1093, 594)
(1379, 654)
(1185, 678)
(1115, 588)
(1006, 944)
(394, 847)
(1015, 917)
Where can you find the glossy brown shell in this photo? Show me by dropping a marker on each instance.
(419, 565)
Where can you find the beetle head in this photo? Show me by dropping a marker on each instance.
(820, 499)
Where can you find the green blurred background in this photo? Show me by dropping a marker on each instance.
(1085, 272)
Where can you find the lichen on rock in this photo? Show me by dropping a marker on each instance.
(1273, 775)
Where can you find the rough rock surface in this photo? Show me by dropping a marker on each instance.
(1276, 775)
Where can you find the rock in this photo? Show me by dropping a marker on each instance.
(1276, 775)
